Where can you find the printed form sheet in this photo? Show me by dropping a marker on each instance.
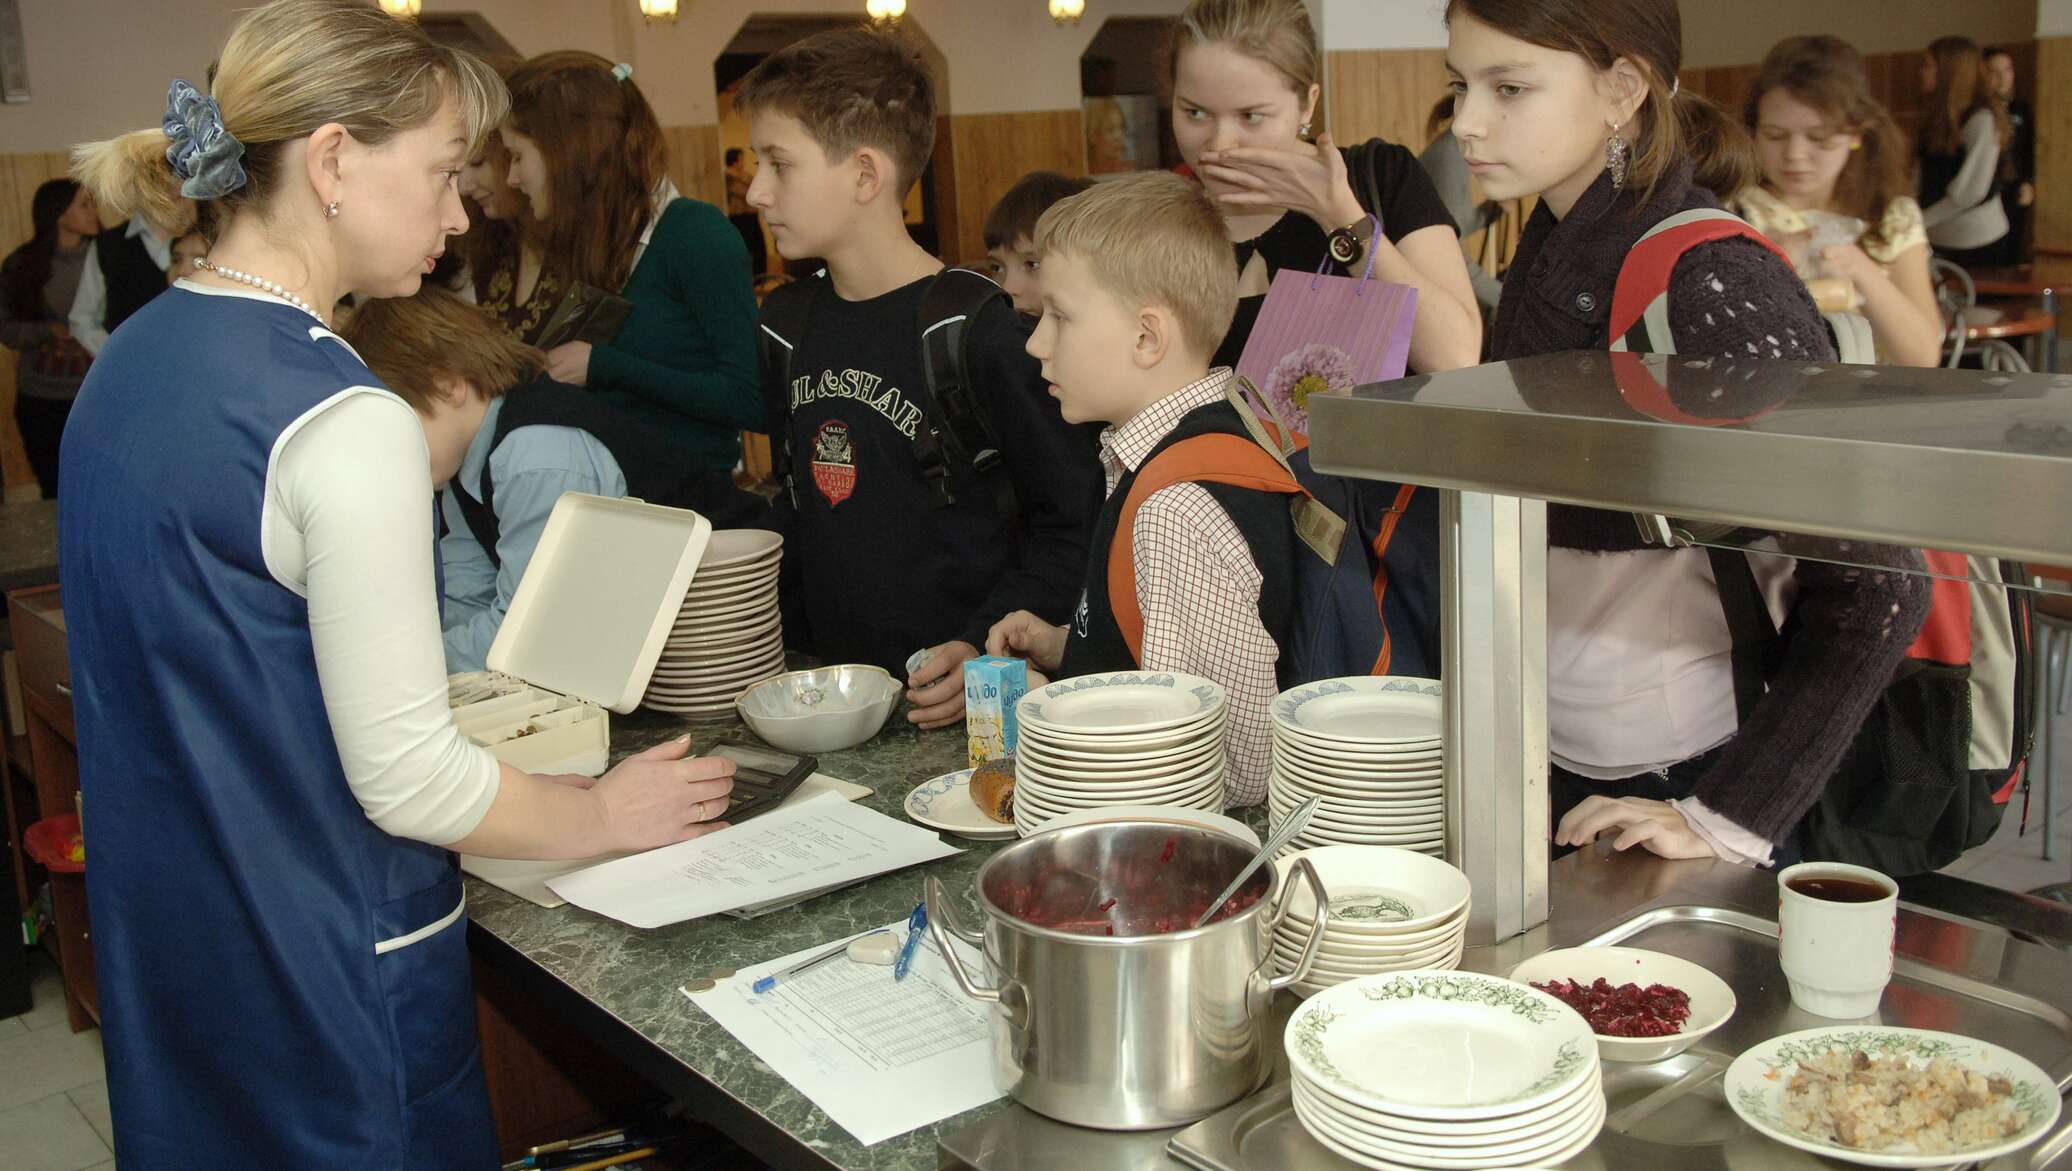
(811, 846)
(880, 1056)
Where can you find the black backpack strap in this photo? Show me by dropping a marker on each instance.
(481, 514)
(481, 521)
(781, 325)
(954, 426)
(1757, 644)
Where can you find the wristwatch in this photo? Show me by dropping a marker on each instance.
(1349, 243)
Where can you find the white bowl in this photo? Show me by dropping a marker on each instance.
(820, 711)
(1433, 891)
(1712, 1001)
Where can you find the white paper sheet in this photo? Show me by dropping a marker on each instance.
(528, 880)
(810, 846)
(880, 1056)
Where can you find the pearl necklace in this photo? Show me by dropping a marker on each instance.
(260, 283)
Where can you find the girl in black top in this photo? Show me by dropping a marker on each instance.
(1244, 96)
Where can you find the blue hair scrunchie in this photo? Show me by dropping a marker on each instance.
(203, 154)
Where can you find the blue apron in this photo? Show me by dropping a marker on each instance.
(282, 984)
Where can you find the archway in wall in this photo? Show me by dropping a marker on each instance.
(1123, 94)
(763, 35)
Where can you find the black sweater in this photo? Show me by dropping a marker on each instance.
(875, 572)
(1731, 299)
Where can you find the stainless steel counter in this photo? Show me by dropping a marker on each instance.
(1953, 974)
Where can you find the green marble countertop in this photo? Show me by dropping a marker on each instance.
(634, 975)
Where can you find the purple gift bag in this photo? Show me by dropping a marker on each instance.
(1323, 334)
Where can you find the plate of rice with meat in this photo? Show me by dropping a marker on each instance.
(1892, 1097)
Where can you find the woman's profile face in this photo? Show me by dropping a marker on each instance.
(398, 203)
(529, 172)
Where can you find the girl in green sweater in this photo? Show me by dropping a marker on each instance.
(588, 154)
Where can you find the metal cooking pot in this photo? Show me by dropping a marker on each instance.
(1145, 1028)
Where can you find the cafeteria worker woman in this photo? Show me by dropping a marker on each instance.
(273, 784)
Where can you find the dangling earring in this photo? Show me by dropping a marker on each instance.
(1615, 159)
(331, 210)
(1304, 132)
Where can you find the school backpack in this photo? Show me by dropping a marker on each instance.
(954, 430)
(1930, 772)
(1652, 260)
(1366, 560)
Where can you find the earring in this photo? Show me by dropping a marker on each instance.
(331, 210)
(1615, 159)
(1304, 132)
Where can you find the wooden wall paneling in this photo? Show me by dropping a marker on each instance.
(1384, 93)
(694, 163)
(2053, 104)
(949, 221)
(988, 152)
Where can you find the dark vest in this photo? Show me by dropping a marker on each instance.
(657, 468)
(132, 276)
(1095, 642)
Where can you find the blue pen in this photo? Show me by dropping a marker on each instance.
(917, 925)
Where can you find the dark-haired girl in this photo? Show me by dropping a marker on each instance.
(1576, 101)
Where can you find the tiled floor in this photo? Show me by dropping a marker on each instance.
(53, 1096)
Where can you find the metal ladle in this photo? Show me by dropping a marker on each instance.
(1298, 817)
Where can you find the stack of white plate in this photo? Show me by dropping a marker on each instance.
(1390, 910)
(1135, 738)
(1449, 1070)
(728, 636)
(1370, 747)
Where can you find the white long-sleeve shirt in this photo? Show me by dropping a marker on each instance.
(1966, 216)
(347, 525)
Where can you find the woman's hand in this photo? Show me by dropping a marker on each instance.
(1309, 180)
(1022, 635)
(569, 362)
(1638, 821)
(659, 798)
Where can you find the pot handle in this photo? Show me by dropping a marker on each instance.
(941, 923)
(1316, 931)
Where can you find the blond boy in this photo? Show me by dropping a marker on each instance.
(1137, 290)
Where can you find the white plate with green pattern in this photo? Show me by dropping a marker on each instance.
(1757, 1082)
(1441, 1044)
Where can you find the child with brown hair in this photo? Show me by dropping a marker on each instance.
(587, 154)
(507, 442)
(1011, 232)
(1830, 154)
(933, 486)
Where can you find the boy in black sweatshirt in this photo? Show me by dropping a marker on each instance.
(891, 548)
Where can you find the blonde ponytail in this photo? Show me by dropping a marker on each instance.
(129, 176)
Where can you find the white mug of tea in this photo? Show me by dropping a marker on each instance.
(1835, 926)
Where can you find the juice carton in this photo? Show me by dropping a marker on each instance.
(992, 688)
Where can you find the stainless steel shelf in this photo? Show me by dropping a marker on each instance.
(1948, 459)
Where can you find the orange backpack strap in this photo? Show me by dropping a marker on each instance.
(1214, 459)
(1387, 533)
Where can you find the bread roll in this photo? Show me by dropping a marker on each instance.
(992, 790)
